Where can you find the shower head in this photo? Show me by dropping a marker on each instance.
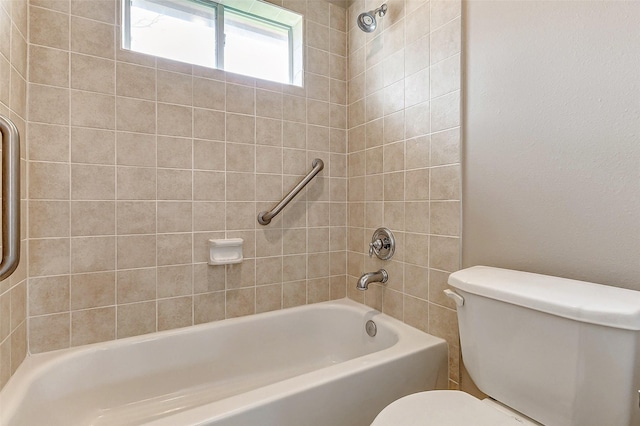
(367, 20)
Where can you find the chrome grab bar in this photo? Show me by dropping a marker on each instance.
(264, 218)
(10, 197)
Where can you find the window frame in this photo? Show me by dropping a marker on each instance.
(219, 28)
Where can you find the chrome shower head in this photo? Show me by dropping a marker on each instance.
(367, 20)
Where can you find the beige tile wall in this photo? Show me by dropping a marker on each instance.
(13, 100)
(135, 162)
(404, 160)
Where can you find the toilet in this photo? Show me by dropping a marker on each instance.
(546, 350)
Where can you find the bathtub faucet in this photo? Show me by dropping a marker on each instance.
(381, 276)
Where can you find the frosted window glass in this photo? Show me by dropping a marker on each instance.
(256, 48)
(184, 32)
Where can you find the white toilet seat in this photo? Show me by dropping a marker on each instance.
(443, 408)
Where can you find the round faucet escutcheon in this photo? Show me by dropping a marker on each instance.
(383, 244)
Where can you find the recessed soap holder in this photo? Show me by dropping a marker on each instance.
(225, 252)
(383, 244)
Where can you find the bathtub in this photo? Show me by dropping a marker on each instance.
(309, 365)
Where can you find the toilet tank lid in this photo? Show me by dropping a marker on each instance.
(577, 300)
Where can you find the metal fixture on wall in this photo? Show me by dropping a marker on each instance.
(380, 276)
(10, 197)
(367, 20)
(264, 218)
(383, 244)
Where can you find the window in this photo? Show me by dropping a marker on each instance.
(245, 37)
(183, 31)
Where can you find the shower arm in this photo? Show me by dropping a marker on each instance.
(381, 11)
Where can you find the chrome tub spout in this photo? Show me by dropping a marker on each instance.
(381, 276)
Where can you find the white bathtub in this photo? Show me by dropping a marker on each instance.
(310, 365)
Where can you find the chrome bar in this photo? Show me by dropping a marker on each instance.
(10, 197)
(264, 218)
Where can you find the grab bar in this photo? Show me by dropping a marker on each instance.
(264, 218)
(10, 197)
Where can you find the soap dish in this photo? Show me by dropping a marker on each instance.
(225, 252)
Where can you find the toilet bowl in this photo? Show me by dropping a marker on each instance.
(546, 350)
(448, 408)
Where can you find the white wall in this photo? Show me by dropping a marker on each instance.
(551, 157)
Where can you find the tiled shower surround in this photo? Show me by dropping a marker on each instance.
(135, 162)
(13, 104)
(404, 160)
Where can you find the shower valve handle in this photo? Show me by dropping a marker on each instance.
(383, 244)
(375, 245)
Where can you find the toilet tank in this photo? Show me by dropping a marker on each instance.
(560, 351)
